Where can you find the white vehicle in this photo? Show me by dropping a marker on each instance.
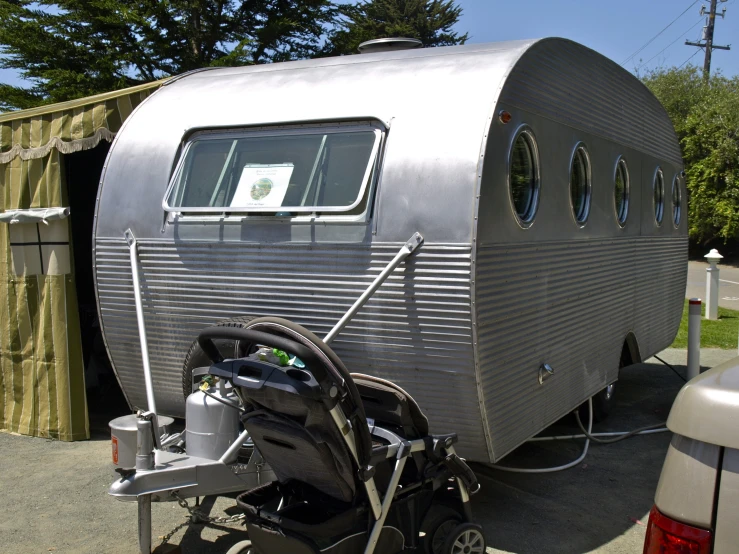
(696, 508)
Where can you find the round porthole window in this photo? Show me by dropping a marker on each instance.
(580, 184)
(523, 177)
(621, 191)
(676, 201)
(659, 196)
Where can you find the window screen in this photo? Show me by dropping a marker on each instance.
(298, 171)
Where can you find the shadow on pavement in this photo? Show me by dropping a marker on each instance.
(604, 497)
(582, 509)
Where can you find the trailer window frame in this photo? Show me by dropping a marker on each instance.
(580, 154)
(622, 211)
(658, 190)
(525, 218)
(364, 194)
(677, 202)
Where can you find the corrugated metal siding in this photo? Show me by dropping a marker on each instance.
(415, 331)
(569, 304)
(556, 79)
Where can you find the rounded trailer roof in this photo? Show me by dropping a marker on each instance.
(437, 102)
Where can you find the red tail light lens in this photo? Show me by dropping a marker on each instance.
(667, 536)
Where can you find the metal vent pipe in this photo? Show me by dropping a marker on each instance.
(389, 44)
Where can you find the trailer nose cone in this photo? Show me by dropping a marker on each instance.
(389, 44)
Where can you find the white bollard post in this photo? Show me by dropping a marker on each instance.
(713, 258)
(694, 337)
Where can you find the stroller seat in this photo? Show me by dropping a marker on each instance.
(386, 404)
(333, 439)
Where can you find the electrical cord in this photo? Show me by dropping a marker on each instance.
(557, 468)
(672, 368)
(589, 435)
(604, 434)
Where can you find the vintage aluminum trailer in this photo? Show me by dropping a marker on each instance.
(546, 181)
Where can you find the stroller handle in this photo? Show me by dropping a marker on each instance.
(205, 339)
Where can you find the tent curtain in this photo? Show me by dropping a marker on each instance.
(42, 387)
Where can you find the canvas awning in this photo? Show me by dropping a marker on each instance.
(42, 388)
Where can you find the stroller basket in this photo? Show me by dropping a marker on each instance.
(299, 517)
(300, 528)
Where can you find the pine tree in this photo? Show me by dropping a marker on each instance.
(430, 21)
(74, 48)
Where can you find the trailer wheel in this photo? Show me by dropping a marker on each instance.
(197, 362)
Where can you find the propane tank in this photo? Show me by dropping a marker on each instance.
(211, 426)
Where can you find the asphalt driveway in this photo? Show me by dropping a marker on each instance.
(53, 494)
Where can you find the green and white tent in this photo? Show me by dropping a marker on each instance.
(42, 380)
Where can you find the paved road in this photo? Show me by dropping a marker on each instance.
(728, 284)
(53, 494)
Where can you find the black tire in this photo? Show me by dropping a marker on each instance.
(605, 400)
(196, 358)
(440, 520)
(466, 538)
(241, 547)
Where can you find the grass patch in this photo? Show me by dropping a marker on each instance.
(721, 333)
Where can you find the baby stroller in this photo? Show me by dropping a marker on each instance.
(357, 470)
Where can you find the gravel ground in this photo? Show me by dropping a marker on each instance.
(53, 494)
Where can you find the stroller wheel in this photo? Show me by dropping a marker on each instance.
(466, 538)
(241, 547)
(438, 523)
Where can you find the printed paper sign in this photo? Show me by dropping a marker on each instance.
(262, 186)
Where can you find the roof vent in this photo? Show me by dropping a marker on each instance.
(389, 44)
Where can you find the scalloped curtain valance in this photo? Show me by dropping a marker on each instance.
(70, 126)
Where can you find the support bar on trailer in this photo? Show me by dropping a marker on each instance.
(150, 401)
(406, 250)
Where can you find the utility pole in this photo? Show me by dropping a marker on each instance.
(707, 38)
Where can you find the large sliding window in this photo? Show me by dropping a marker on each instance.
(281, 171)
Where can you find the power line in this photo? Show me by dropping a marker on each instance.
(658, 34)
(690, 58)
(673, 42)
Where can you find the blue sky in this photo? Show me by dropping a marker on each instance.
(616, 29)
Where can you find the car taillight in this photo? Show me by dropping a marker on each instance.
(667, 536)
